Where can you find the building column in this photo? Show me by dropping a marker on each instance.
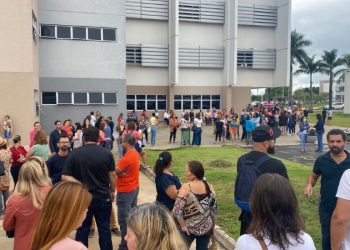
(173, 29)
(230, 43)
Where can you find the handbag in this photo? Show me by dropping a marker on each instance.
(2, 168)
(10, 234)
(263, 245)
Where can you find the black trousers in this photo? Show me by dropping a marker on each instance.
(173, 135)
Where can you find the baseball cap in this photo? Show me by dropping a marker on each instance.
(265, 133)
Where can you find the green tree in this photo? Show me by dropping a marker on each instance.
(298, 44)
(341, 72)
(330, 62)
(309, 66)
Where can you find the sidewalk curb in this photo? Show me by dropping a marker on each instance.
(220, 235)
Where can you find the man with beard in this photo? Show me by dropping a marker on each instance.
(56, 162)
(330, 167)
(263, 143)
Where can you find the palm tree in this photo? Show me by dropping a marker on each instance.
(309, 66)
(298, 44)
(330, 62)
(341, 72)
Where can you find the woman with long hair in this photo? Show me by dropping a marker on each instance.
(120, 130)
(86, 123)
(40, 147)
(303, 129)
(195, 207)
(5, 158)
(24, 205)
(78, 137)
(167, 183)
(277, 222)
(150, 226)
(67, 203)
(18, 157)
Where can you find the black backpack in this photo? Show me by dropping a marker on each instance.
(246, 178)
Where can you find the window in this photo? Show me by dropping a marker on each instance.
(79, 33)
(80, 98)
(110, 98)
(148, 102)
(94, 34)
(95, 98)
(196, 102)
(64, 98)
(245, 59)
(48, 98)
(109, 35)
(133, 54)
(63, 32)
(48, 31)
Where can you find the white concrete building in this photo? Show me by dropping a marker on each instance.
(184, 54)
(338, 89)
(347, 93)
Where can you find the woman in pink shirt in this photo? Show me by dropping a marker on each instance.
(37, 127)
(67, 202)
(24, 206)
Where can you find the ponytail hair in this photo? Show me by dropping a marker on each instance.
(162, 162)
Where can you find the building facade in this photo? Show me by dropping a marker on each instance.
(81, 58)
(338, 92)
(19, 77)
(195, 54)
(347, 93)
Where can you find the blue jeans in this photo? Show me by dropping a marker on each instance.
(3, 194)
(125, 202)
(100, 208)
(197, 137)
(202, 242)
(320, 142)
(120, 150)
(303, 141)
(153, 134)
(7, 134)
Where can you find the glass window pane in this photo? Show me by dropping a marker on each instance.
(161, 97)
(151, 97)
(109, 35)
(95, 98)
(177, 97)
(186, 104)
(63, 32)
(130, 105)
(215, 104)
(206, 105)
(79, 32)
(80, 98)
(141, 97)
(196, 97)
(207, 97)
(196, 105)
(130, 97)
(186, 97)
(177, 105)
(161, 105)
(140, 105)
(64, 98)
(151, 105)
(94, 34)
(215, 97)
(48, 98)
(47, 31)
(110, 98)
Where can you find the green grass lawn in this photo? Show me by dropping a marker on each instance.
(223, 182)
(339, 118)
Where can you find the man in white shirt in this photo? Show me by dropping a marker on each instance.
(340, 224)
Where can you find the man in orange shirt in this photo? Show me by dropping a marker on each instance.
(127, 171)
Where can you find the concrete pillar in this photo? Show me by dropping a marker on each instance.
(230, 43)
(173, 74)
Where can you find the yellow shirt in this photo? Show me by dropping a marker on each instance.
(153, 121)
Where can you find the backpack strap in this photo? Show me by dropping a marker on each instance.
(263, 245)
(261, 160)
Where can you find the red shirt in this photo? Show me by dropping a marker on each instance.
(130, 165)
(21, 216)
(16, 154)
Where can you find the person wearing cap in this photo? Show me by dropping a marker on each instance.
(263, 144)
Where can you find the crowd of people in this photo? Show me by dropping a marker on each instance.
(71, 182)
